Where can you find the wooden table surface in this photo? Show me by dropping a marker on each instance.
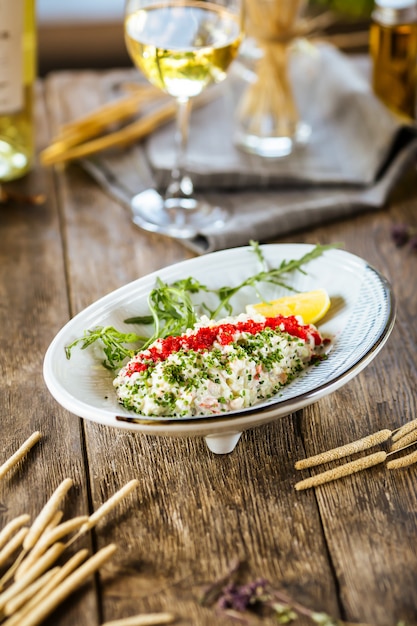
(347, 548)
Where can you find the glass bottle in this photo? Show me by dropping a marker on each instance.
(17, 76)
(393, 46)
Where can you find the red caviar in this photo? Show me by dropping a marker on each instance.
(204, 338)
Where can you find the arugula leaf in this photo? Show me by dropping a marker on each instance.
(172, 310)
(112, 342)
(274, 276)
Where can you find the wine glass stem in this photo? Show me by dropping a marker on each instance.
(181, 185)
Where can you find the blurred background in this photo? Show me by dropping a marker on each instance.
(89, 33)
(80, 33)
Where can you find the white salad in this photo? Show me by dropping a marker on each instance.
(218, 366)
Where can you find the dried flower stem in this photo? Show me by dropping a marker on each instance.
(342, 470)
(404, 461)
(19, 454)
(315, 616)
(238, 601)
(284, 598)
(351, 448)
(213, 591)
(404, 430)
(404, 441)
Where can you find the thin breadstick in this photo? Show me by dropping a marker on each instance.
(54, 521)
(12, 545)
(47, 539)
(47, 514)
(10, 572)
(19, 454)
(37, 570)
(17, 564)
(151, 619)
(61, 574)
(63, 590)
(65, 529)
(342, 470)
(59, 152)
(351, 448)
(23, 597)
(92, 124)
(114, 110)
(404, 461)
(12, 526)
(107, 506)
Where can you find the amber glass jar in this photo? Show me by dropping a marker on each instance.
(393, 46)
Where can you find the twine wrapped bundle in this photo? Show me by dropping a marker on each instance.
(267, 107)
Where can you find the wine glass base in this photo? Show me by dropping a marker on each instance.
(274, 146)
(181, 218)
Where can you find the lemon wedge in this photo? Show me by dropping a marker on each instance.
(310, 305)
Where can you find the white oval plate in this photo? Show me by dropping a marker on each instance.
(359, 322)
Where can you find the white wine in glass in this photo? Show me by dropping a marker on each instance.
(182, 47)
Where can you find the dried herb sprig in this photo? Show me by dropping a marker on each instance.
(401, 439)
(341, 471)
(342, 451)
(242, 601)
(403, 234)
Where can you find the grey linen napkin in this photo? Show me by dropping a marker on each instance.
(356, 153)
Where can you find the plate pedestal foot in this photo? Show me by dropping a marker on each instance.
(222, 444)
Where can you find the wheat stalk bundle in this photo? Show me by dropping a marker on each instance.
(268, 107)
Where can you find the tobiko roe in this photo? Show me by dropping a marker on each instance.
(217, 367)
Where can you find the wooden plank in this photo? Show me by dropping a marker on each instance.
(368, 518)
(34, 305)
(196, 512)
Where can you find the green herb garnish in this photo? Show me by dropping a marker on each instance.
(266, 275)
(172, 310)
(113, 343)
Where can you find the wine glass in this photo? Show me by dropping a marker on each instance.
(182, 47)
